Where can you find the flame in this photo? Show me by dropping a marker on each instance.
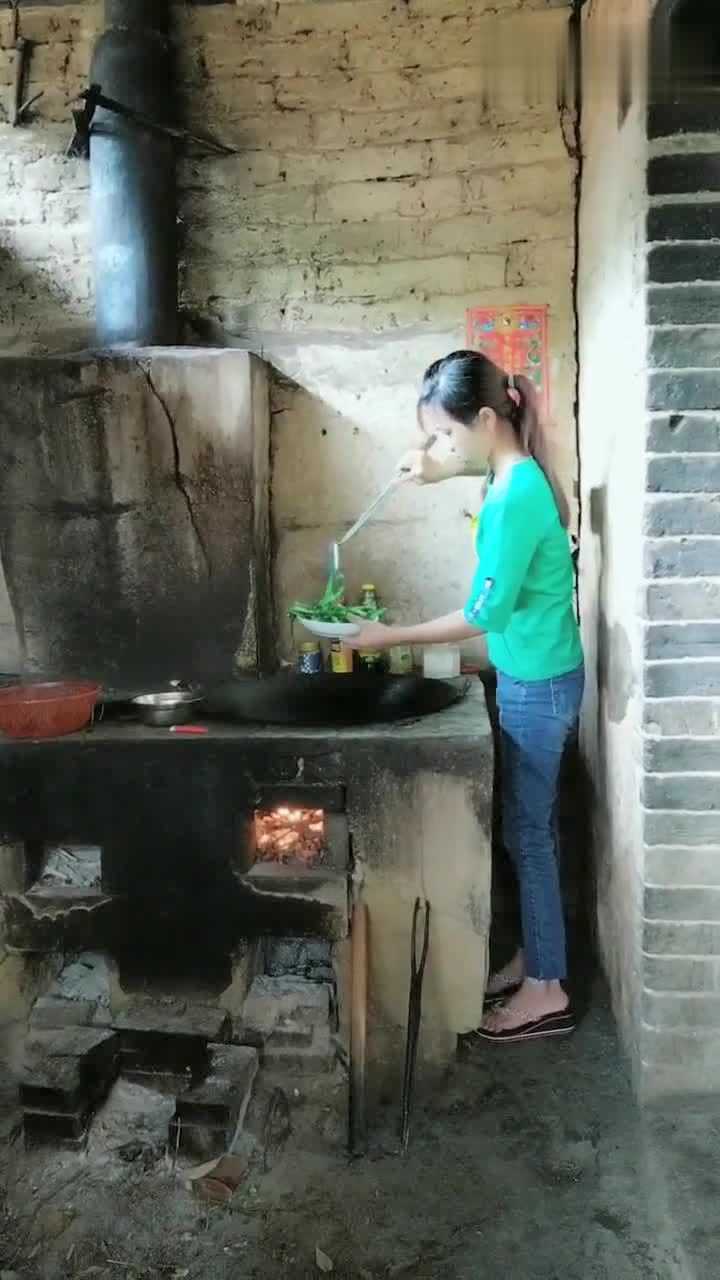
(289, 835)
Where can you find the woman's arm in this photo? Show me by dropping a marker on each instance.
(421, 467)
(439, 631)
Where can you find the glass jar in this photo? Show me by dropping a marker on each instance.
(341, 658)
(401, 660)
(371, 660)
(309, 661)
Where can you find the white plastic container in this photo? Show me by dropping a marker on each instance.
(441, 662)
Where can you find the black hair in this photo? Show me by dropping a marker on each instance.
(465, 382)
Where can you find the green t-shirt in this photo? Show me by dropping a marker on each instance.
(522, 593)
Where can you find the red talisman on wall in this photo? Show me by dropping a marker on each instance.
(516, 339)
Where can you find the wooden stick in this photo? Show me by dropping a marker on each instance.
(22, 52)
(94, 94)
(358, 1030)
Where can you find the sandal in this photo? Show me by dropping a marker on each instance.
(561, 1023)
(499, 997)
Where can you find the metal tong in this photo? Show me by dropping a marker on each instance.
(417, 972)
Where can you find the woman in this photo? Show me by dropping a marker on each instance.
(522, 597)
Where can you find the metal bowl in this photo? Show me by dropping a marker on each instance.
(162, 709)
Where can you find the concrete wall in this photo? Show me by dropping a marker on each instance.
(612, 450)
(386, 182)
(425, 808)
(150, 471)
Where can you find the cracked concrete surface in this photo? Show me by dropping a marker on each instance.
(180, 482)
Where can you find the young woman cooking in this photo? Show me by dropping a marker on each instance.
(522, 597)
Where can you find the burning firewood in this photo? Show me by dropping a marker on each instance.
(290, 835)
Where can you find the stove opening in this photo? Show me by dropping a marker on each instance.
(68, 871)
(290, 836)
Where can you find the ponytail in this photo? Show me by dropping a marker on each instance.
(465, 382)
(530, 428)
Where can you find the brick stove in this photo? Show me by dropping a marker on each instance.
(208, 945)
(135, 542)
(225, 868)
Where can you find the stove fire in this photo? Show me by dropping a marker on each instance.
(289, 835)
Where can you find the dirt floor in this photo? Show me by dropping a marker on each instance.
(528, 1162)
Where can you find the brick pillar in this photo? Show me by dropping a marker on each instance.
(680, 1040)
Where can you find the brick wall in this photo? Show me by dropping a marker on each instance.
(682, 604)
(649, 303)
(46, 293)
(388, 178)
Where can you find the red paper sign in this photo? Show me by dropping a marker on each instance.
(516, 339)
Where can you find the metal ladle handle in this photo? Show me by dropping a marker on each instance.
(362, 520)
(392, 484)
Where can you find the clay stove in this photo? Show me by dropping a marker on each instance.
(195, 927)
(134, 532)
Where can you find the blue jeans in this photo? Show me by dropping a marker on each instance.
(537, 718)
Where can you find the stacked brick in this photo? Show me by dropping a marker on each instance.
(374, 178)
(66, 1073)
(46, 296)
(682, 605)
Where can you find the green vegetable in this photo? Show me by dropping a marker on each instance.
(330, 606)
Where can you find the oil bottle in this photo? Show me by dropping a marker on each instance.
(371, 660)
(341, 658)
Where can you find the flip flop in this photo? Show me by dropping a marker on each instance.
(499, 997)
(551, 1024)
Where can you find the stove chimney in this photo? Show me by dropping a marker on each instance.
(133, 188)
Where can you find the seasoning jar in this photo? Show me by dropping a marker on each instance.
(309, 661)
(341, 658)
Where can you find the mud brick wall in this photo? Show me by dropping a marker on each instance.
(395, 168)
(45, 269)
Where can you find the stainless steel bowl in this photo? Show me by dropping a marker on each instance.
(162, 709)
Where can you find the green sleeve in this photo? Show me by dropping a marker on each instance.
(508, 547)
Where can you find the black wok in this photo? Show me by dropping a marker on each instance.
(332, 700)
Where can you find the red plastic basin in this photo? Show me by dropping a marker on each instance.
(47, 710)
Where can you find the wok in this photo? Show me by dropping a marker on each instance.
(332, 700)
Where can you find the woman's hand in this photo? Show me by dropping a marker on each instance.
(420, 467)
(374, 635)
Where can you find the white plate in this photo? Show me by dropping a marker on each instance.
(330, 630)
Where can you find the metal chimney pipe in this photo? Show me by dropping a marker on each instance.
(133, 185)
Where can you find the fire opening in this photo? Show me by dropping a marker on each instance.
(288, 835)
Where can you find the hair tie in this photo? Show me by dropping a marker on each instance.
(513, 391)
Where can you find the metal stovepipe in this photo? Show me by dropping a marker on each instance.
(133, 183)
